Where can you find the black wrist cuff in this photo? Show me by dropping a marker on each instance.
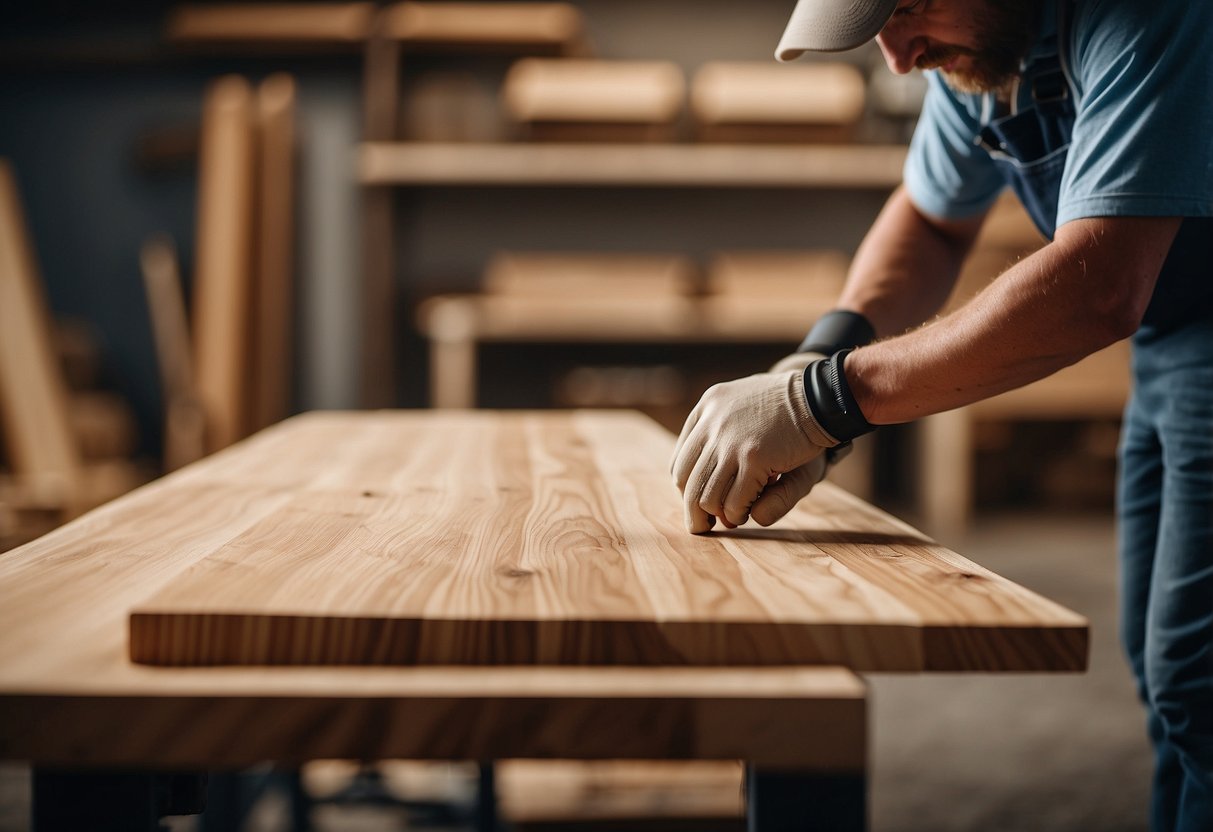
(837, 330)
(831, 401)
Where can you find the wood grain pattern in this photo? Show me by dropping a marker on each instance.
(473, 538)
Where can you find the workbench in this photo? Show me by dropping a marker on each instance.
(480, 585)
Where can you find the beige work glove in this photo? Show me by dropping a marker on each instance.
(796, 361)
(739, 440)
(781, 497)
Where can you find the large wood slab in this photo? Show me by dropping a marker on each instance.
(542, 538)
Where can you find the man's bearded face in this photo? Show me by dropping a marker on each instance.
(1003, 31)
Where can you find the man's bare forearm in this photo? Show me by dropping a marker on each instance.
(906, 266)
(1082, 292)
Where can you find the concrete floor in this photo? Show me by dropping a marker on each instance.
(1044, 753)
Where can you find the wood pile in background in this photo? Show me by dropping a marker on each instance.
(585, 100)
(769, 102)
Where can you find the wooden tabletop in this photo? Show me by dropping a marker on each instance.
(514, 538)
(477, 537)
(494, 538)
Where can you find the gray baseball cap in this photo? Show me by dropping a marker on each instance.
(832, 26)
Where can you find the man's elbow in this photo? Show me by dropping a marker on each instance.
(1119, 311)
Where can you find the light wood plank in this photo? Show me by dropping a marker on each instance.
(223, 274)
(259, 24)
(670, 165)
(274, 300)
(184, 419)
(550, 538)
(33, 396)
(545, 89)
(589, 276)
(452, 319)
(567, 793)
(556, 28)
(757, 101)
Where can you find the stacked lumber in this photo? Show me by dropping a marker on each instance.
(746, 102)
(585, 100)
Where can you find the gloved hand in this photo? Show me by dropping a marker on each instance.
(781, 497)
(741, 437)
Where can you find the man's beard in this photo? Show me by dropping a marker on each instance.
(1002, 36)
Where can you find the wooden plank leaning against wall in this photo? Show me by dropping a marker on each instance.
(67, 449)
(33, 396)
(234, 376)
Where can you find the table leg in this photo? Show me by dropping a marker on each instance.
(68, 799)
(486, 799)
(797, 801)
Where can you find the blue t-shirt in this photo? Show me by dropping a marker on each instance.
(1142, 143)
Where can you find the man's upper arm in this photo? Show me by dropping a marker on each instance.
(1118, 260)
(947, 175)
(1142, 138)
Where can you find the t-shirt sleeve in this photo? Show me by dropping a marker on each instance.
(1143, 138)
(947, 174)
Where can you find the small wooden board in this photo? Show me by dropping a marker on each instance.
(224, 260)
(624, 795)
(556, 538)
(519, 28)
(570, 99)
(763, 101)
(262, 24)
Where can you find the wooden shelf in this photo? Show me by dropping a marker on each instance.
(660, 165)
(259, 24)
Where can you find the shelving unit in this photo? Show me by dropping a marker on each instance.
(386, 164)
(632, 165)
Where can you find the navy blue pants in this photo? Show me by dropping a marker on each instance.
(1165, 515)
